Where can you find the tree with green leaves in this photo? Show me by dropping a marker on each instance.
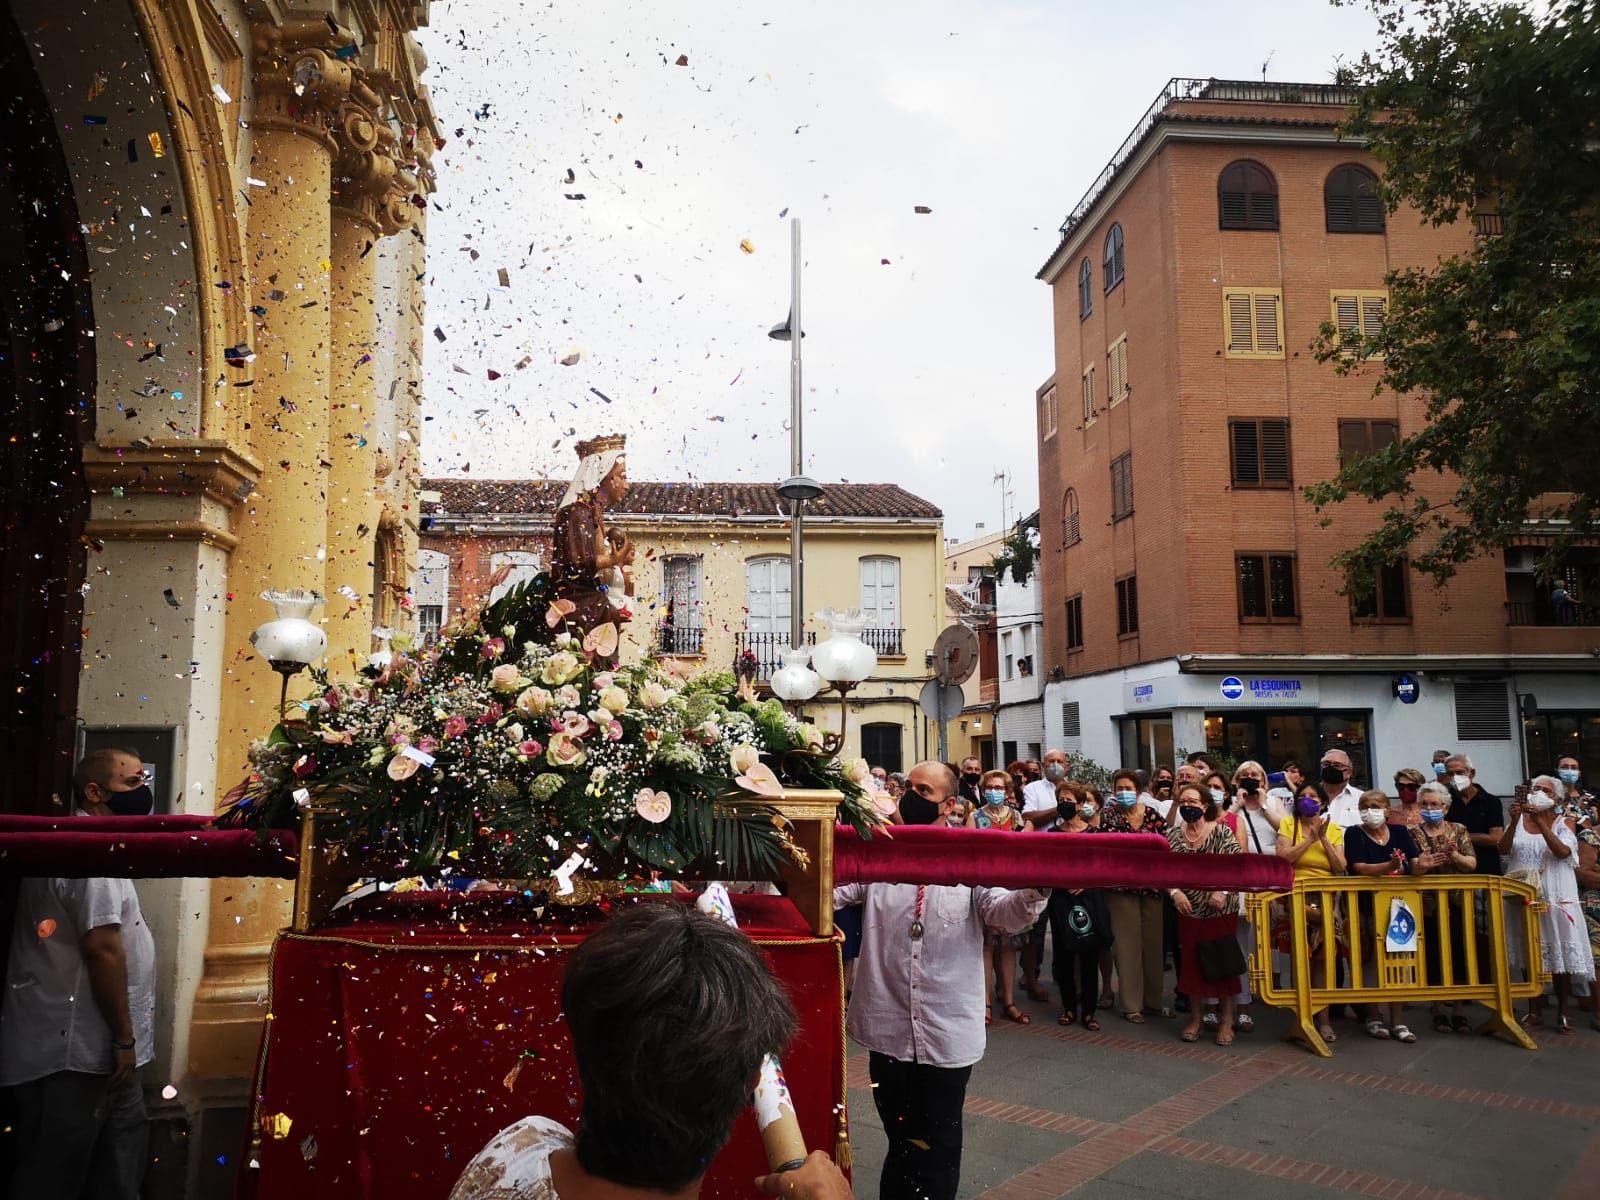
(1491, 114)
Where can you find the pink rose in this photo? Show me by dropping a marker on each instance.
(494, 648)
(492, 714)
(531, 748)
(305, 766)
(565, 751)
(614, 731)
(454, 727)
(428, 744)
(331, 698)
(575, 723)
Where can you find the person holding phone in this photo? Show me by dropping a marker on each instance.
(1543, 849)
(1315, 845)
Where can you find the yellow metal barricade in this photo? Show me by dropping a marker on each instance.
(1451, 936)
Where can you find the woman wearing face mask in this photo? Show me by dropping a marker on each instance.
(1080, 925)
(1136, 915)
(1542, 848)
(1378, 849)
(1408, 782)
(1253, 819)
(995, 812)
(1447, 849)
(1315, 845)
(1211, 961)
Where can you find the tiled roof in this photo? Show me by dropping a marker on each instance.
(466, 497)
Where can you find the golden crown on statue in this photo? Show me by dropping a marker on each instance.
(600, 445)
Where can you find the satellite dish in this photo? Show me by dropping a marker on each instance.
(955, 655)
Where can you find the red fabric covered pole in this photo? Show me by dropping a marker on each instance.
(164, 823)
(79, 853)
(981, 857)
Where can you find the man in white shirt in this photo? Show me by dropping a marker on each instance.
(1039, 797)
(79, 1016)
(1343, 801)
(918, 1003)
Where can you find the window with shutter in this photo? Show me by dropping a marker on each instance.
(1253, 322)
(1113, 257)
(1247, 197)
(1266, 587)
(1483, 711)
(1350, 201)
(1122, 486)
(1075, 623)
(1117, 371)
(880, 592)
(1364, 437)
(1088, 398)
(1085, 289)
(767, 597)
(1358, 315)
(1388, 601)
(1071, 528)
(1048, 413)
(1127, 606)
(1260, 451)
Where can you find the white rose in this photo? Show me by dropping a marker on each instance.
(560, 668)
(857, 771)
(505, 678)
(613, 699)
(811, 736)
(535, 702)
(654, 694)
(567, 697)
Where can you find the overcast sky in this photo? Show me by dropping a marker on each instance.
(920, 370)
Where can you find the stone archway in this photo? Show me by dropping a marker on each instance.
(46, 417)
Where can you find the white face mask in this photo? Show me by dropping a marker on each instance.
(1461, 782)
(1086, 811)
(1540, 802)
(1218, 795)
(1373, 817)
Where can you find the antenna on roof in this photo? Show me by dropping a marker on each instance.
(1266, 64)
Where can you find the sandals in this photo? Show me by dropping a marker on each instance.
(1211, 1021)
(1460, 1024)
(1564, 1026)
(1441, 1023)
(1402, 1033)
(1134, 1018)
(1244, 1023)
(1068, 1017)
(1091, 1024)
(1326, 1033)
(1013, 1013)
(1377, 1029)
(1190, 1035)
(1224, 1037)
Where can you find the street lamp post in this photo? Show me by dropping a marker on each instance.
(798, 488)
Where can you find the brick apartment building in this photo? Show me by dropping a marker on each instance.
(1187, 595)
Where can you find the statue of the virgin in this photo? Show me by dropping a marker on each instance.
(589, 563)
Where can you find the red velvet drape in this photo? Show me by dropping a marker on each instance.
(401, 1042)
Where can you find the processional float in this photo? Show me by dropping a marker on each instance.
(512, 785)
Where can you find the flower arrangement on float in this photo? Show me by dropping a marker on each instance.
(516, 742)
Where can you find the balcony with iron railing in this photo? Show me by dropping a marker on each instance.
(1549, 614)
(680, 641)
(761, 654)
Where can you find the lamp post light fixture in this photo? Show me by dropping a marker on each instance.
(290, 642)
(795, 682)
(843, 661)
(798, 488)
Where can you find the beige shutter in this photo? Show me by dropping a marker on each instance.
(1269, 323)
(1236, 309)
(1373, 308)
(1347, 317)
(1088, 396)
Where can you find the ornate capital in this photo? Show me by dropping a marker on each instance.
(305, 71)
(373, 173)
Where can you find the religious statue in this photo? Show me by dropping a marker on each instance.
(590, 563)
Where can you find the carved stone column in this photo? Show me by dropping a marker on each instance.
(301, 87)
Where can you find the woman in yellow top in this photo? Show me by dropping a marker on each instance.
(1315, 846)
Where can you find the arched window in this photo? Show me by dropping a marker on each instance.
(1350, 198)
(1113, 261)
(388, 577)
(1071, 528)
(1085, 290)
(1247, 197)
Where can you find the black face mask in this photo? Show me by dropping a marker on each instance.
(1250, 785)
(1332, 774)
(1162, 785)
(971, 777)
(1066, 809)
(1191, 813)
(137, 802)
(914, 810)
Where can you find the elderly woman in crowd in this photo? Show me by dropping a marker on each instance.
(1253, 818)
(1136, 915)
(1544, 850)
(1211, 962)
(1315, 845)
(1448, 850)
(1377, 849)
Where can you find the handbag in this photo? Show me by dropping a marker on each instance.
(1220, 959)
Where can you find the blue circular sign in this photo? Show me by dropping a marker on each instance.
(1406, 688)
(1232, 688)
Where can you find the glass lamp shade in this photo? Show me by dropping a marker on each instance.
(290, 641)
(794, 681)
(844, 657)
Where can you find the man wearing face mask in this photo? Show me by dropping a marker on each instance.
(1039, 797)
(967, 786)
(1343, 802)
(79, 1014)
(918, 1002)
(1480, 811)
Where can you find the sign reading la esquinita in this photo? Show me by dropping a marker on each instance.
(1267, 689)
